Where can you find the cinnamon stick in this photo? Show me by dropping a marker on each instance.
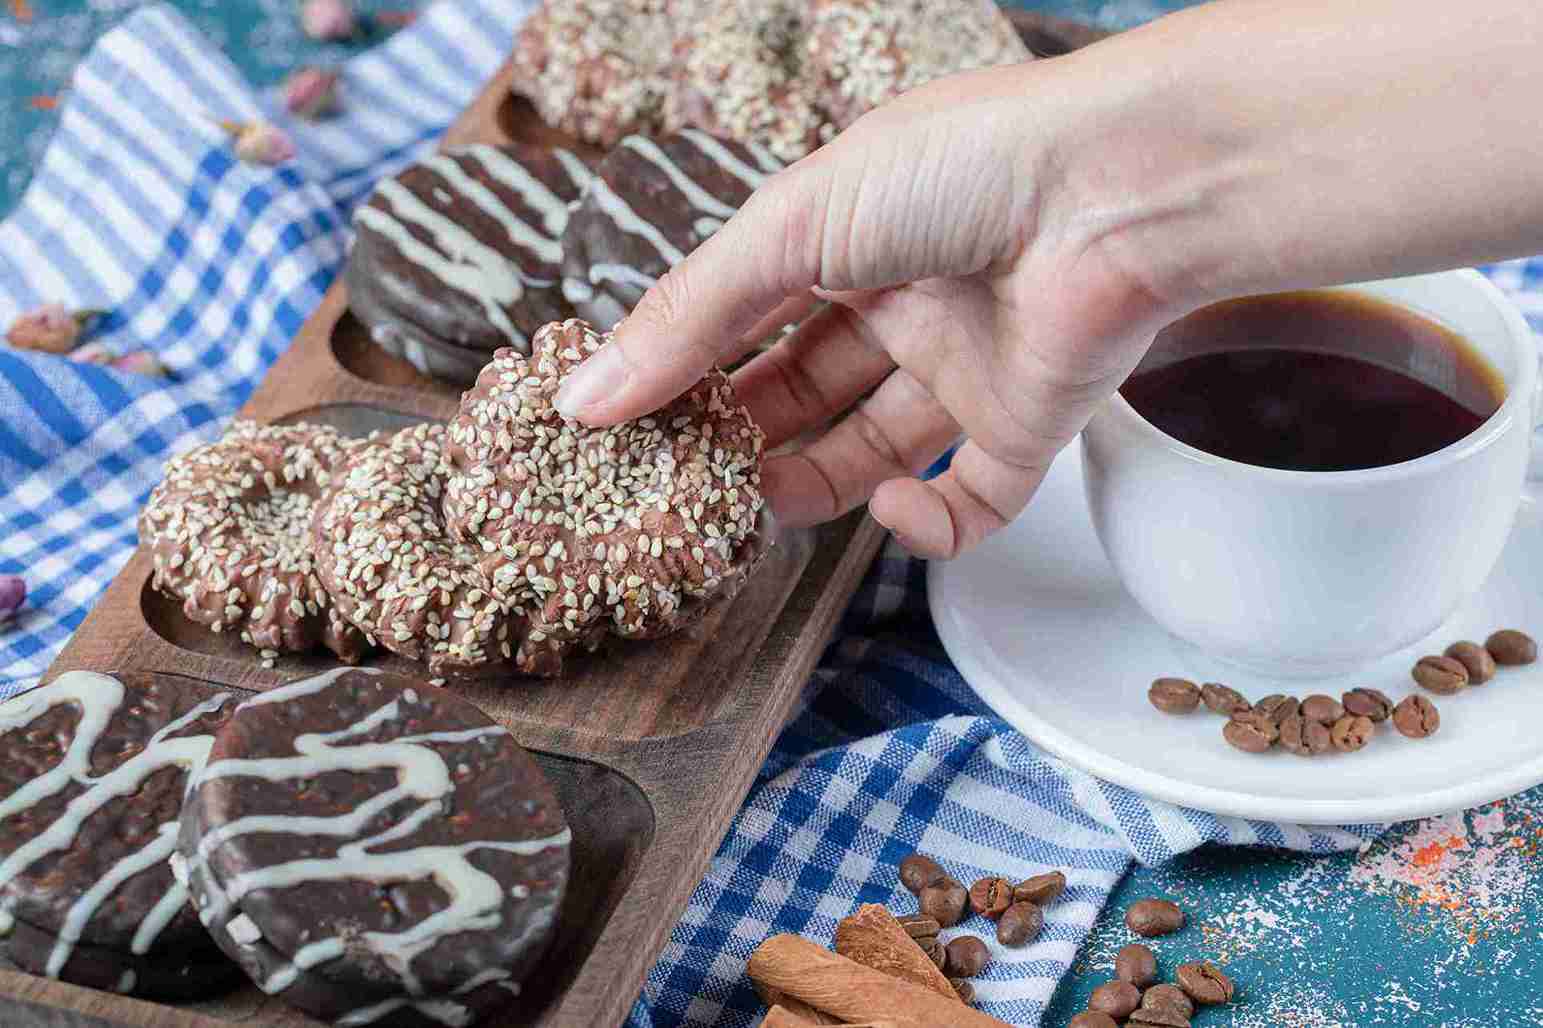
(873, 938)
(777, 998)
(831, 982)
(780, 1017)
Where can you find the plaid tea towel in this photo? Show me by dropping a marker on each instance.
(140, 208)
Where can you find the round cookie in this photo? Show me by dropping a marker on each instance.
(460, 254)
(739, 74)
(628, 530)
(650, 203)
(375, 850)
(93, 770)
(599, 69)
(393, 571)
(228, 531)
(862, 53)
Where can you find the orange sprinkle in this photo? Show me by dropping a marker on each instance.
(44, 102)
(21, 10)
(1429, 856)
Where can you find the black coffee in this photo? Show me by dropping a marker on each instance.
(1314, 381)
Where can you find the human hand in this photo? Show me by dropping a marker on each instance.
(999, 247)
(964, 300)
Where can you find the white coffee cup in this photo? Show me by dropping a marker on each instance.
(1308, 573)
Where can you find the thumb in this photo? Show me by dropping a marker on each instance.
(702, 311)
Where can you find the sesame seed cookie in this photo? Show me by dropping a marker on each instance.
(862, 53)
(391, 566)
(627, 530)
(599, 69)
(228, 532)
(739, 73)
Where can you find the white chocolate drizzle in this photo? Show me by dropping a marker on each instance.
(476, 897)
(99, 698)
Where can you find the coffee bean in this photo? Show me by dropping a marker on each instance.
(1368, 703)
(1479, 661)
(1510, 647)
(919, 926)
(1441, 675)
(919, 871)
(1136, 964)
(1305, 738)
(1174, 695)
(1168, 997)
(1041, 889)
(1252, 733)
(1116, 998)
(1350, 733)
(1277, 707)
(1157, 1017)
(1323, 709)
(1020, 924)
(965, 990)
(944, 902)
(935, 950)
(1203, 982)
(1416, 717)
(1154, 917)
(968, 956)
(989, 897)
(1222, 699)
(1093, 1019)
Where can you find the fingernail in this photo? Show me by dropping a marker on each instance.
(598, 378)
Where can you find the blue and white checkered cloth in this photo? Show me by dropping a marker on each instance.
(140, 208)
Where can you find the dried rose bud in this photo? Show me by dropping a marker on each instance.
(312, 93)
(140, 362)
(328, 19)
(13, 593)
(258, 142)
(52, 328)
(92, 353)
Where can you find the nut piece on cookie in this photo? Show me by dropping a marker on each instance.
(391, 566)
(628, 530)
(228, 532)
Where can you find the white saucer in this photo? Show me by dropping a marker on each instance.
(1040, 627)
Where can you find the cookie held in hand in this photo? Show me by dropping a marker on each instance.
(628, 530)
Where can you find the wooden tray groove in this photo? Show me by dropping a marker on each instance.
(651, 754)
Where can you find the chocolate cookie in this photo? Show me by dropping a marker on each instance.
(375, 850)
(627, 530)
(650, 203)
(600, 69)
(228, 531)
(392, 568)
(92, 774)
(460, 255)
(862, 53)
(739, 73)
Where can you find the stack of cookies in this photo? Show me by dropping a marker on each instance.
(366, 847)
(511, 535)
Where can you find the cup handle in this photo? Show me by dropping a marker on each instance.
(1534, 485)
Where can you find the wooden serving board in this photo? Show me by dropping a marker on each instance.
(651, 749)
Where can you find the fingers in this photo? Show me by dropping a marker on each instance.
(812, 375)
(896, 432)
(789, 312)
(976, 496)
(700, 313)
